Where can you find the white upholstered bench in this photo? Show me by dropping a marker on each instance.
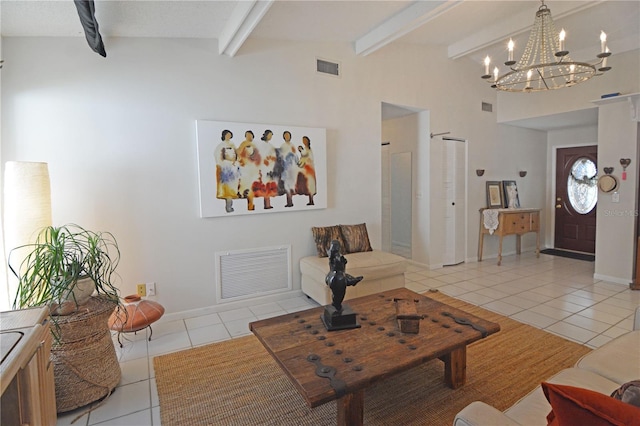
(381, 271)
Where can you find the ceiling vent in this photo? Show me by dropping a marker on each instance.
(486, 106)
(328, 67)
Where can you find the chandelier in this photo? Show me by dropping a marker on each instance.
(545, 64)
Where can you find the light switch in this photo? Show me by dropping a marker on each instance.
(615, 197)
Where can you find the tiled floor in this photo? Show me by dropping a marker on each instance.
(552, 293)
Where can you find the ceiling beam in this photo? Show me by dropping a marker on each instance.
(403, 22)
(244, 18)
(516, 25)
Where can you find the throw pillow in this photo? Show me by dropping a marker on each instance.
(323, 237)
(629, 393)
(572, 406)
(356, 238)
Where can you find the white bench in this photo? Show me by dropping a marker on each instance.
(381, 271)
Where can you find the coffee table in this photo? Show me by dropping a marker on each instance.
(326, 366)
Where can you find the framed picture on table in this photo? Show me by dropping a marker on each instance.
(511, 199)
(494, 195)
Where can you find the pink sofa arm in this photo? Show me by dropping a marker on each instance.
(480, 414)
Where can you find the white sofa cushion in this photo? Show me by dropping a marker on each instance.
(617, 360)
(372, 265)
(533, 408)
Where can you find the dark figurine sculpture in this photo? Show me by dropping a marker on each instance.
(337, 279)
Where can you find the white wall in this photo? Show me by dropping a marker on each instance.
(4, 298)
(513, 149)
(618, 138)
(119, 136)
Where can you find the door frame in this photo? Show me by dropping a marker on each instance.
(551, 209)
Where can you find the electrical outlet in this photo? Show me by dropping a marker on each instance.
(151, 289)
(142, 290)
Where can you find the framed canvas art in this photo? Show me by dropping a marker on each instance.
(510, 190)
(494, 195)
(249, 168)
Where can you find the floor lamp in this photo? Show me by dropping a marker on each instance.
(27, 210)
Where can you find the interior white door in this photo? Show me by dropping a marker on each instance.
(454, 188)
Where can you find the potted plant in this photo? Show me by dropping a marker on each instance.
(64, 267)
(72, 271)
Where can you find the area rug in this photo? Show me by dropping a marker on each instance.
(236, 382)
(569, 254)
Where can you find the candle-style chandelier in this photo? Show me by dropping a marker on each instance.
(545, 64)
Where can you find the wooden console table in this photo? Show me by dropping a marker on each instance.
(512, 222)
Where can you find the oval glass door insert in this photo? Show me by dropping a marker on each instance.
(582, 185)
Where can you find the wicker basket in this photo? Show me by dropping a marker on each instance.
(86, 367)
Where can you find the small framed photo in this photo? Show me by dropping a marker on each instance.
(494, 195)
(510, 190)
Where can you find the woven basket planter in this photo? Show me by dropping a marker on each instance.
(86, 367)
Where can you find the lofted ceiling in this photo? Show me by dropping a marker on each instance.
(470, 28)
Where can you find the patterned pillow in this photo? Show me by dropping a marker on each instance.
(356, 238)
(323, 237)
(629, 393)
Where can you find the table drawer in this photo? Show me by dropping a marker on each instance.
(516, 223)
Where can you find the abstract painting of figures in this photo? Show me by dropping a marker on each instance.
(248, 168)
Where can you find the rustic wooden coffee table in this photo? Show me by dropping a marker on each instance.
(325, 366)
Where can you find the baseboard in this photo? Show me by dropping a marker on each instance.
(615, 280)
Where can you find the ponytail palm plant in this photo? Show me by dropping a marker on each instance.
(62, 261)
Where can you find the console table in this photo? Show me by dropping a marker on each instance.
(511, 222)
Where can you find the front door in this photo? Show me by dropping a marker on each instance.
(576, 197)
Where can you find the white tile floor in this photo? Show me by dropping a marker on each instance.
(552, 293)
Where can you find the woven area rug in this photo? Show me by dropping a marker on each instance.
(236, 382)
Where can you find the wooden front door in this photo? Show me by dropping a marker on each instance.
(576, 197)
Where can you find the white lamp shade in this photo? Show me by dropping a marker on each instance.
(27, 209)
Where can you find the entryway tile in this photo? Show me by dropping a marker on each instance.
(125, 400)
(571, 331)
(202, 321)
(502, 307)
(534, 318)
(239, 327)
(587, 323)
(169, 343)
(134, 371)
(236, 314)
(209, 334)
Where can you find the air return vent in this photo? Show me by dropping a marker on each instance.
(244, 274)
(327, 67)
(486, 106)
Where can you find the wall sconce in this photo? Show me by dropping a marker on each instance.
(523, 173)
(624, 162)
(479, 172)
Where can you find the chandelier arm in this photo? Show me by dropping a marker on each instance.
(542, 78)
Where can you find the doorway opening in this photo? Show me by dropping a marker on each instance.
(400, 137)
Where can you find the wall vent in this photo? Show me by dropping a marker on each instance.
(243, 274)
(328, 67)
(486, 106)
